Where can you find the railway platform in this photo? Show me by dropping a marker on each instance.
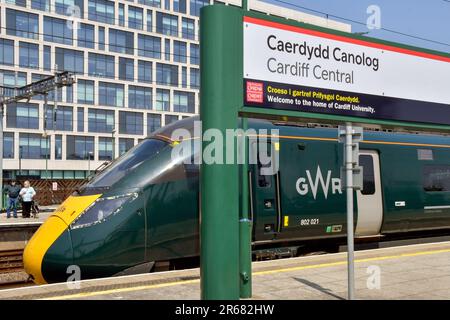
(420, 271)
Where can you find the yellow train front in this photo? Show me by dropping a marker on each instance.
(115, 225)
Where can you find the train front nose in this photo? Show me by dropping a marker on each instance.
(49, 252)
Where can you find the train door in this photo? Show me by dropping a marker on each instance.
(370, 199)
(265, 192)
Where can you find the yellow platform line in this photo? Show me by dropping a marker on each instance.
(314, 266)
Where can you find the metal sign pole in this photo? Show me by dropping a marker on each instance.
(351, 174)
(349, 187)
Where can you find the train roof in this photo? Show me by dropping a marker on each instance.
(293, 130)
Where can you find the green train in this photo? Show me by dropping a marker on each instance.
(144, 208)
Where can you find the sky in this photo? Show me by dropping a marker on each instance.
(428, 19)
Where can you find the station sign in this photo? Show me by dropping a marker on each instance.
(296, 68)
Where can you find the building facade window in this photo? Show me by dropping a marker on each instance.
(184, 77)
(162, 100)
(125, 144)
(126, 69)
(69, 94)
(28, 55)
(8, 145)
(179, 6)
(57, 30)
(179, 51)
(22, 24)
(101, 65)
(12, 78)
(131, 123)
(80, 119)
(79, 148)
(62, 121)
(183, 101)
(58, 147)
(105, 147)
(101, 38)
(121, 14)
(69, 60)
(145, 69)
(167, 49)
(86, 38)
(34, 146)
(21, 3)
(22, 115)
(101, 11)
(195, 78)
(47, 58)
(149, 20)
(166, 74)
(110, 94)
(153, 122)
(170, 118)
(139, 97)
(7, 52)
(166, 24)
(43, 5)
(85, 91)
(188, 28)
(152, 3)
(66, 7)
(121, 41)
(196, 5)
(135, 18)
(195, 54)
(149, 46)
(101, 121)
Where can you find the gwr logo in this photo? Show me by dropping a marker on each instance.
(304, 185)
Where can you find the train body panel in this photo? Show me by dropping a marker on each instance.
(145, 206)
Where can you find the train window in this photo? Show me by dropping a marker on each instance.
(264, 180)
(436, 178)
(366, 161)
(127, 162)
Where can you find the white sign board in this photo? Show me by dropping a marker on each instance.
(288, 67)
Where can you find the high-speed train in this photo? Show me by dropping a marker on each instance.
(144, 208)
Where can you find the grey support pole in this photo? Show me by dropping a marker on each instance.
(349, 187)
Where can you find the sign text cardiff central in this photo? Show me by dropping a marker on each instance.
(295, 68)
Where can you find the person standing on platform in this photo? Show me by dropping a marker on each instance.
(12, 190)
(27, 193)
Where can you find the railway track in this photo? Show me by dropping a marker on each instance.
(12, 274)
(11, 261)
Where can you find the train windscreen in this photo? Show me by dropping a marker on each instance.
(129, 161)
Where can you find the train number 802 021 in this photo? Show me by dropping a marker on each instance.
(309, 222)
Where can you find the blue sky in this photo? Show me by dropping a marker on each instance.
(429, 19)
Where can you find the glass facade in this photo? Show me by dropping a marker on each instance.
(34, 146)
(80, 148)
(100, 120)
(131, 123)
(137, 69)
